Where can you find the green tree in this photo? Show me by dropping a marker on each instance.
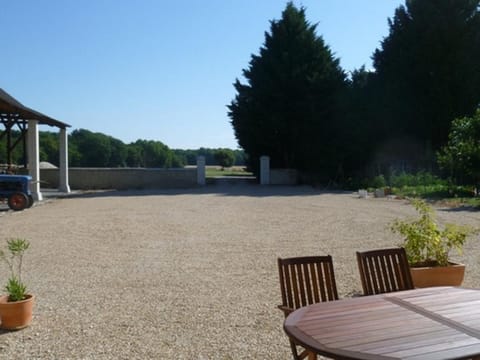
(89, 149)
(17, 152)
(49, 147)
(287, 107)
(155, 154)
(118, 153)
(74, 155)
(94, 148)
(240, 157)
(461, 156)
(359, 133)
(189, 156)
(225, 157)
(209, 155)
(428, 70)
(134, 156)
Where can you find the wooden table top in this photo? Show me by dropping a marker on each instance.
(420, 324)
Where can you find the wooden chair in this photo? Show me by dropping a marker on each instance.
(304, 281)
(384, 270)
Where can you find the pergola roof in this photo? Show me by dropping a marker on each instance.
(10, 106)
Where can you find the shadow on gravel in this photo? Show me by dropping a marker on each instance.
(253, 190)
(462, 208)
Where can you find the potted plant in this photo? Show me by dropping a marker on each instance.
(15, 307)
(428, 247)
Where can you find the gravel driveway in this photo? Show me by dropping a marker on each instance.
(187, 274)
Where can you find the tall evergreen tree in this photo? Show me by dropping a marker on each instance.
(359, 131)
(286, 108)
(428, 69)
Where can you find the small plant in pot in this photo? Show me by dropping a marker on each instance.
(428, 247)
(15, 307)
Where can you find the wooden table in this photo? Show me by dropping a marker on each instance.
(420, 324)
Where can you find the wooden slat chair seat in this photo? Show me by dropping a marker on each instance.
(304, 281)
(384, 270)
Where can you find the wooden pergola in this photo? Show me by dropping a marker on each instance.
(15, 116)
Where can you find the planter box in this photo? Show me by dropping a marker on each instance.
(438, 275)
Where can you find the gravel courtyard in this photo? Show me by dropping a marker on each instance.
(187, 274)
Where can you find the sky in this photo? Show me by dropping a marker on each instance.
(156, 69)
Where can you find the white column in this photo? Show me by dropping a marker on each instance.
(34, 159)
(264, 170)
(63, 171)
(201, 170)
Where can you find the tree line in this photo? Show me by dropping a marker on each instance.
(296, 104)
(93, 149)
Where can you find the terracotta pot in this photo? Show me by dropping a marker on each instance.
(428, 276)
(16, 315)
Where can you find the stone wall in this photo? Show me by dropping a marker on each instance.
(121, 178)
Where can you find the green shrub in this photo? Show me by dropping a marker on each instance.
(424, 242)
(421, 178)
(378, 182)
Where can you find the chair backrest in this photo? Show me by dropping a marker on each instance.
(384, 270)
(307, 280)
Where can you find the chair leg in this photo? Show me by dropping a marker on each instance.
(305, 354)
(294, 351)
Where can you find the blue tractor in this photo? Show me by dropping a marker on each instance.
(15, 189)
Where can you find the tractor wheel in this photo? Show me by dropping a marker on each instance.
(30, 201)
(18, 201)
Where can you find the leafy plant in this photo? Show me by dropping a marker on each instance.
(425, 243)
(461, 155)
(15, 288)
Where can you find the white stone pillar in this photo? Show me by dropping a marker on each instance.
(63, 171)
(34, 159)
(264, 170)
(201, 170)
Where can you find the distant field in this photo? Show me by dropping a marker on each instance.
(212, 171)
